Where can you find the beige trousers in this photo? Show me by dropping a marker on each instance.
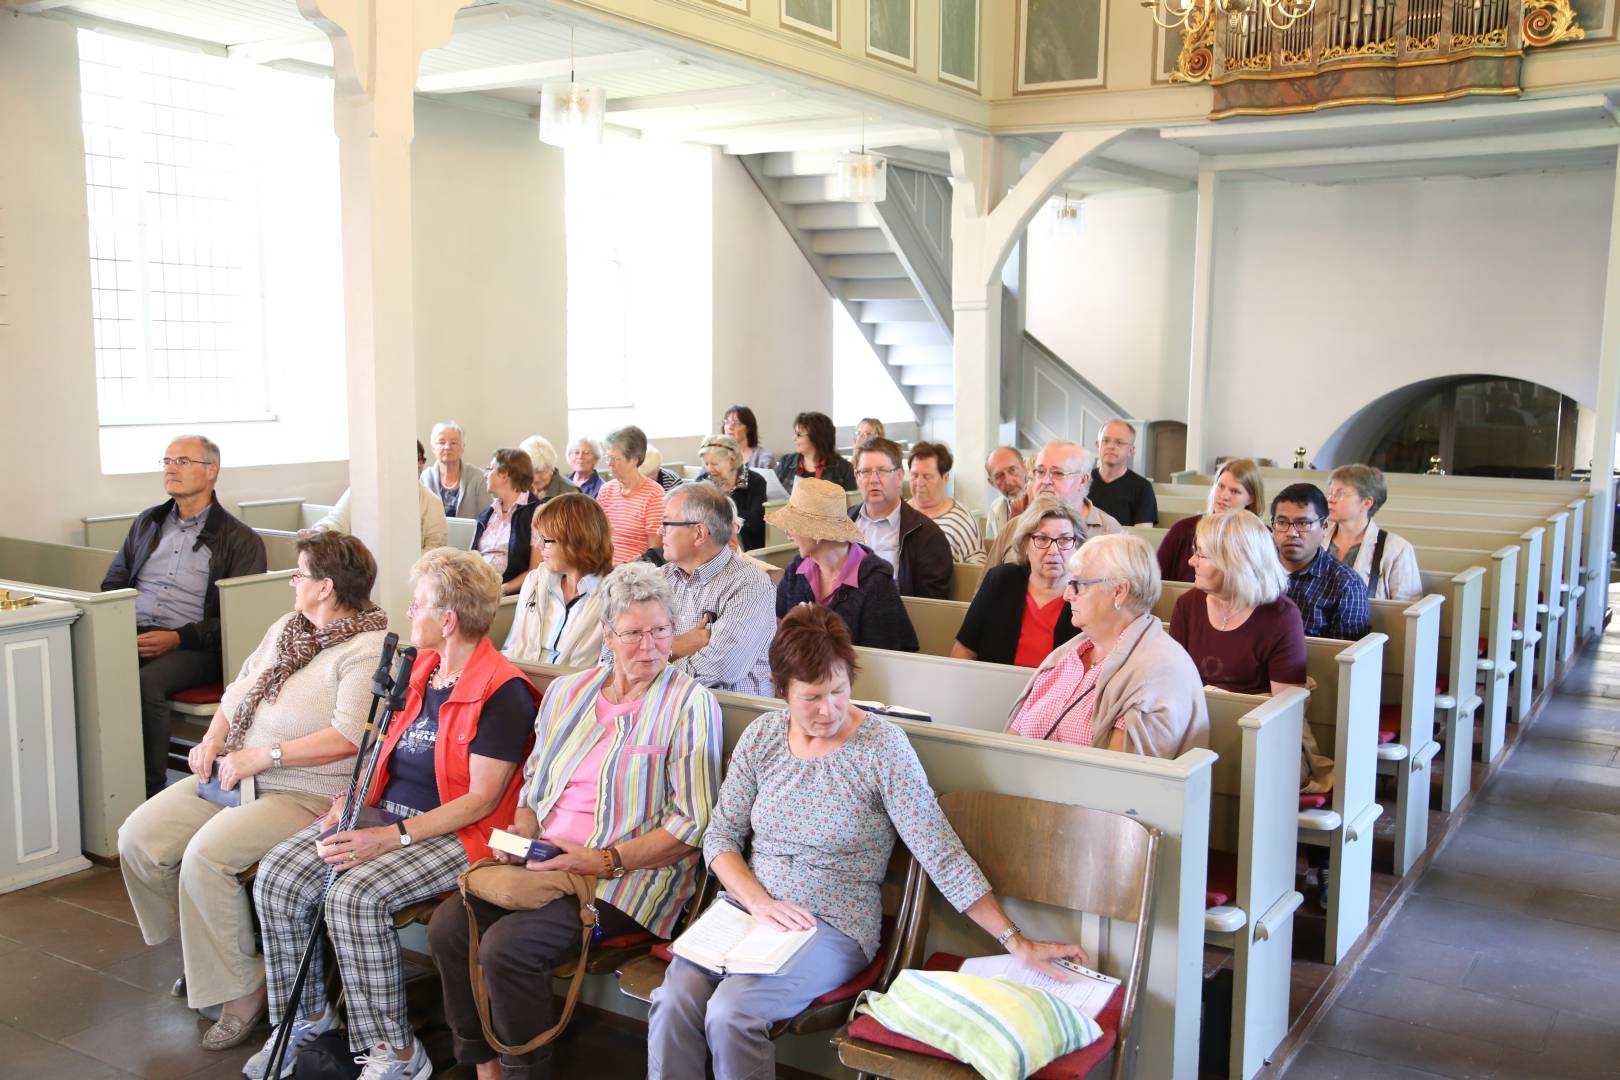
(180, 856)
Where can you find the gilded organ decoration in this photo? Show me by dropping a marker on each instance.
(1366, 52)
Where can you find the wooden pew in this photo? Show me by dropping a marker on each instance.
(505, 613)
(1172, 796)
(286, 514)
(1411, 662)
(1253, 821)
(247, 607)
(1499, 637)
(61, 566)
(109, 530)
(965, 578)
(972, 694)
(1550, 599)
(936, 623)
(1343, 714)
(107, 701)
(1458, 700)
(1574, 590)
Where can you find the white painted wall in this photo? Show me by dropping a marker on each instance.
(491, 278)
(47, 362)
(1327, 298)
(773, 327)
(1113, 298)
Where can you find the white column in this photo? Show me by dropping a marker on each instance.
(377, 46)
(976, 306)
(1203, 310)
(1601, 526)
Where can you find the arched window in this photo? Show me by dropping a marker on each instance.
(1479, 426)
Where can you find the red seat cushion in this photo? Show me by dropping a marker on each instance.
(662, 951)
(1389, 723)
(1067, 1067)
(1442, 683)
(200, 695)
(1484, 648)
(862, 980)
(1315, 801)
(1221, 885)
(624, 941)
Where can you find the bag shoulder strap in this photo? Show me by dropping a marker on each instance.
(585, 893)
(1377, 564)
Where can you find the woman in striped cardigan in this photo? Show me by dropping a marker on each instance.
(624, 772)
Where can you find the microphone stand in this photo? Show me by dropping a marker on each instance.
(390, 692)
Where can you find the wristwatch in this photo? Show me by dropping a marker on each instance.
(404, 834)
(275, 756)
(612, 864)
(1007, 935)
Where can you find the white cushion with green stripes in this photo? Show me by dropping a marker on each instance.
(1005, 1030)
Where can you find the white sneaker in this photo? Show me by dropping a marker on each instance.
(383, 1064)
(304, 1032)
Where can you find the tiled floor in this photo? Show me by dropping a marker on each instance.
(82, 997)
(1505, 960)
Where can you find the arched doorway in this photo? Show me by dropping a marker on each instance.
(1476, 425)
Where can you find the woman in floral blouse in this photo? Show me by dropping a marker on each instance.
(821, 789)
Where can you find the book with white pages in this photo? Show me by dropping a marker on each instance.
(729, 941)
(1088, 993)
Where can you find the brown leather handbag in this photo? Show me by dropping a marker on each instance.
(515, 888)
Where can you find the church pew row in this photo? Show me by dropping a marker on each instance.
(1173, 796)
(109, 530)
(1457, 699)
(106, 667)
(1482, 487)
(1407, 698)
(290, 515)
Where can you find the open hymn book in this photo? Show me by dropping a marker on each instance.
(1088, 993)
(728, 941)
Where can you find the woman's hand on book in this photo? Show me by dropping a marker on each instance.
(782, 914)
(1040, 954)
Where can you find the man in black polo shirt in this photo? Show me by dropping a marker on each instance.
(1123, 495)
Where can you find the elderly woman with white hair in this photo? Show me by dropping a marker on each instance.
(583, 454)
(724, 461)
(625, 769)
(1237, 623)
(548, 481)
(447, 776)
(461, 488)
(1123, 683)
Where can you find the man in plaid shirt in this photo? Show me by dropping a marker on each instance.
(1330, 596)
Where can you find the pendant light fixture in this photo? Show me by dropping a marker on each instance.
(571, 113)
(862, 176)
(1065, 219)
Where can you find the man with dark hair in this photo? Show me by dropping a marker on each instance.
(1122, 494)
(897, 533)
(172, 557)
(1330, 596)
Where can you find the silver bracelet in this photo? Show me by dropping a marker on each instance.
(1007, 935)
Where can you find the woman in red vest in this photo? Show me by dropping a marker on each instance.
(447, 778)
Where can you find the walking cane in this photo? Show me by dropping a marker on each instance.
(392, 694)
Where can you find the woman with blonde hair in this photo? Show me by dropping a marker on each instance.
(1124, 683)
(1237, 623)
(726, 464)
(559, 610)
(1387, 564)
(548, 481)
(1237, 486)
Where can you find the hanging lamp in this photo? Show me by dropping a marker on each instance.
(571, 113)
(862, 177)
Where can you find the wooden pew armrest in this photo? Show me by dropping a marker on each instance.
(1322, 820)
(1280, 912)
(1421, 759)
(1487, 664)
(1224, 919)
(1444, 702)
(1362, 826)
(1392, 751)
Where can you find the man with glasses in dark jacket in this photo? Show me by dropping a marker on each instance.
(173, 556)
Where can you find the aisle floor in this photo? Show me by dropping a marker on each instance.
(1504, 960)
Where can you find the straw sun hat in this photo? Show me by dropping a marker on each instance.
(817, 510)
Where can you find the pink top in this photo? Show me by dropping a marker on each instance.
(846, 576)
(632, 516)
(1052, 711)
(573, 818)
(498, 533)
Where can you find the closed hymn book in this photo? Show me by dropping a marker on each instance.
(728, 941)
(212, 790)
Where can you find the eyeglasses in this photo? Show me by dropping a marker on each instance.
(1283, 526)
(1077, 583)
(1200, 554)
(1041, 472)
(666, 524)
(1122, 443)
(414, 609)
(182, 461)
(547, 540)
(1341, 494)
(633, 637)
(1042, 541)
(869, 474)
(296, 574)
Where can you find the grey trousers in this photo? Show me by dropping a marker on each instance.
(177, 669)
(696, 1013)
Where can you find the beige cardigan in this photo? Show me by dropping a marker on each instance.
(1149, 683)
